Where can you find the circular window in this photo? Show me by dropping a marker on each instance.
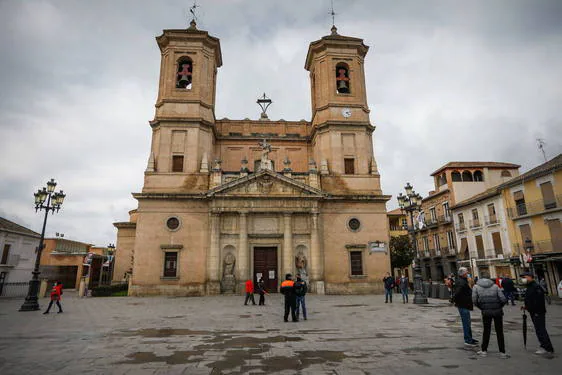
(173, 223)
(354, 224)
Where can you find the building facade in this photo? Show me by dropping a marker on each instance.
(17, 258)
(482, 234)
(225, 200)
(534, 208)
(454, 182)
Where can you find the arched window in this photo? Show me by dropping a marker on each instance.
(467, 176)
(456, 176)
(506, 173)
(184, 73)
(478, 176)
(342, 79)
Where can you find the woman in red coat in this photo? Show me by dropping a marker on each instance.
(56, 294)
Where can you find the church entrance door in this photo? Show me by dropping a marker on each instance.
(265, 266)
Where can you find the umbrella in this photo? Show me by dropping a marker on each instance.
(525, 329)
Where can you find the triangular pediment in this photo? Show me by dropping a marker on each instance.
(265, 183)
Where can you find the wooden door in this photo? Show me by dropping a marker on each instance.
(497, 241)
(265, 265)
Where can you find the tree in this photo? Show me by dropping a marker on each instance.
(401, 251)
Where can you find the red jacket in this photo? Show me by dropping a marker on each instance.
(56, 292)
(249, 286)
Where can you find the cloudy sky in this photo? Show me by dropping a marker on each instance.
(447, 80)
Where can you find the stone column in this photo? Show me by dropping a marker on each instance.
(287, 245)
(213, 285)
(243, 251)
(316, 267)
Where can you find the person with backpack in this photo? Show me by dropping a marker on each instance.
(488, 297)
(388, 282)
(300, 291)
(534, 304)
(56, 294)
(261, 291)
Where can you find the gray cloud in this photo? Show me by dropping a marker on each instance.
(446, 81)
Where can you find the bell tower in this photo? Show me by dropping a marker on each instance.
(342, 132)
(183, 129)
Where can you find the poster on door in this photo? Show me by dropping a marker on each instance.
(271, 275)
(258, 276)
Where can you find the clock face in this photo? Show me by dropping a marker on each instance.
(346, 112)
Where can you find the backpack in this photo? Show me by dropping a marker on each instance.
(300, 288)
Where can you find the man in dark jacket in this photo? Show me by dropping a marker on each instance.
(488, 297)
(462, 298)
(288, 290)
(300, 291)
(509, 290)
(388, 285)
(534, 304)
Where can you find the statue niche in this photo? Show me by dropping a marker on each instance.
(184, 74)
(228, 282)
(300, 264)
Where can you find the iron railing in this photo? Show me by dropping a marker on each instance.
(491, 220)
(475, 223)
(444, 219)
(14, 289)
(534, 207)
(543, 246)
(461, 227)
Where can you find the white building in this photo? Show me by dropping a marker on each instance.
(17, 252)
(482, 235)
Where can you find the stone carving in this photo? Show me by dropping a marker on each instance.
(228, 282)
(265, 163)
(265, 184)
(300, 264)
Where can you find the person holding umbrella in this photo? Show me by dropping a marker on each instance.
(534, 304)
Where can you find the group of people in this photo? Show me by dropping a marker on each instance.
(402, 284)
(293, 290)
(489, 298)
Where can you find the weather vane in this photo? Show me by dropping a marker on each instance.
(264, 102)
(333, 14)
(541, 144)
(193, 9)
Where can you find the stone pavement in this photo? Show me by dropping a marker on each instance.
(218, 335)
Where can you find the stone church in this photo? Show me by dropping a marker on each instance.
(225, 200)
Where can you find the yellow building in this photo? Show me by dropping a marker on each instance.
(398, 226)
(534, 207)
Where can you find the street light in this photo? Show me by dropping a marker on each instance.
(410, 203)
(54, 202)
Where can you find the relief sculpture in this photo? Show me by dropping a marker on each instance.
(228, 282)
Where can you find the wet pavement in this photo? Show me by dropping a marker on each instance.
(219, 335)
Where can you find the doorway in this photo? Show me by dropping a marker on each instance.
(265, 266)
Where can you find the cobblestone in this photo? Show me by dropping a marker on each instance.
(218, 335)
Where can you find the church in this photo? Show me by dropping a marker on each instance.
(225, 200)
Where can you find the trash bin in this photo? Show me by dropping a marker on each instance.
(435, 290)
(443, 291)
(426, 289)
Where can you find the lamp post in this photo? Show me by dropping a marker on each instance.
(111, 257)
(410, 203)
(53, 203)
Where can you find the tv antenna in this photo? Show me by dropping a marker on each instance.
(541, 144)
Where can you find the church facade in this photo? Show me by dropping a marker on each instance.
(225, 201)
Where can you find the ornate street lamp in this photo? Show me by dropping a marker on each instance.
(54, 202)
(110, 259)
(410, 203)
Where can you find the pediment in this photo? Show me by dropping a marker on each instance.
(265, 183)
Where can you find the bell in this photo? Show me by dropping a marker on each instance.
(184, 81)
(342, 86)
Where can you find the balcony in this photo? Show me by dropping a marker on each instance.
(444, 250)
(491, 220)
(426, 253)
(444, 219)
(12, 261)
(475, 223)
(431, 222)
(543, 246)
(461, 227)
(534, 208)
(494, 253)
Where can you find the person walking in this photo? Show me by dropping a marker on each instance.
(249, 293)
(488, 297)
(509, 290)
(462, 298)
(288, 290)
(534, 304)
(261, 291)
(300, 291)
(56, 294)
(404, 284)
(388, 285)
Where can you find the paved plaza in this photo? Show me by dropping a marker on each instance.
(219, 335)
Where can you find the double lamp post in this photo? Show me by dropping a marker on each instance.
(50, 201)
(410, 203)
